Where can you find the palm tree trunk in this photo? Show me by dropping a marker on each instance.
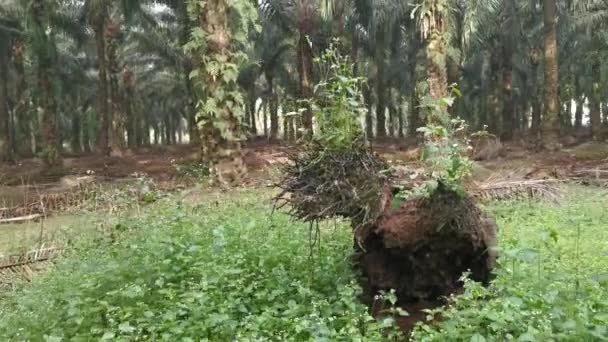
(414, 121)
(252, 121)
(578, 114)
(436, 54)
(508, 110)
(128, 82)
(118, 128)
(400, 119)
(102, 91)
(187, 69)
(48, 105)
(550, 124)
(381, 89)
(536, 114)
(75, 135)
(354, 51)
(86, 138)
(265, 117)
(392, 109)
(274, 109)
(595, 117)
(6, 150)
(495, 93)
(223, 154)
(21, 109)
(595, 112)
(304, 57)
(369, 120)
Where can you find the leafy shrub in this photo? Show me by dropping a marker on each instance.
(338, 103)
(445, 149)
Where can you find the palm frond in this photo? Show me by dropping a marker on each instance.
(535, 189)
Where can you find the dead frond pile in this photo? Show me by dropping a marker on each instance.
(491, 189)
(24, 266)
(319, 184)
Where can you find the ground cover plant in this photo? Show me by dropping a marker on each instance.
(226, 270)
(552, 282)
(216, 271)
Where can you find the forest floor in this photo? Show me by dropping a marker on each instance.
(167, 163)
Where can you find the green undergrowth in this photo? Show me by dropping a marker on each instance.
(552, 281)
(225, 270)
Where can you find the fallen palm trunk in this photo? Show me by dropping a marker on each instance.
(20, 219)
(422, 248)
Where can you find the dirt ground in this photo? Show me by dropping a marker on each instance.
(589, 160)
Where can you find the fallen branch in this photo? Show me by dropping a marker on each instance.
(20, 218)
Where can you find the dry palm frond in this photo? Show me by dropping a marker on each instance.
(597, 177)
(547, 189)
(23, 266)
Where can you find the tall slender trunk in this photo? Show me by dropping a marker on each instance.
(76, 125)
(369, 120)
(265, 117)
(252, 121)
(128, 81)
(496, 92)
(391, 114)
(168, 129)
(550, 124)
(118, 142)
(414, 113)
(21, 109)
(400, 119)
(45, 64)
(578, 114)
(536, 115)
(508, 110)
(595, 114)
(354, 51)
(304, 58)
(274, 108)
(156, 133)
(415, 59)
(186, 27)
(436, 54)
(85, 129)
(381, 89)
(103, 112)
(6, 150)
(566, 116)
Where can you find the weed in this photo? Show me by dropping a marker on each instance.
(214, 272)
(224, 270)
(551, 282)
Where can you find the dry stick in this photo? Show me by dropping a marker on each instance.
(43, 208)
